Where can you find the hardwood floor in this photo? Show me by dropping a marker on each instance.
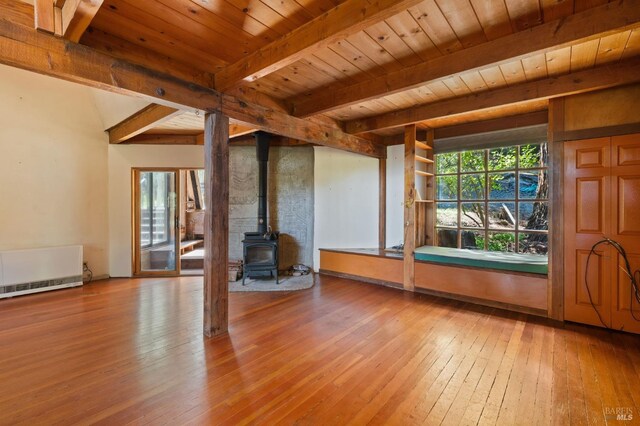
(132, 351)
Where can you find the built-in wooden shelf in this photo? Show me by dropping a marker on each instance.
(421, 173)
(423, 159)
(424, 201)
(422, 145)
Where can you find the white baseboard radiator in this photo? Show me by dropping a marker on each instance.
(36, 270)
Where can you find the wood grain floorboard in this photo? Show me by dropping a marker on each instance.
(131, 351)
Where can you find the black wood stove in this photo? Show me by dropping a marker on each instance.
(260, 249)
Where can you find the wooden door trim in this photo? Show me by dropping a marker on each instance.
(555, 289)
(595, 132)
(135, 223)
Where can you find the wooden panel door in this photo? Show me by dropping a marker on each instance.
(625, 227)
(587, 209)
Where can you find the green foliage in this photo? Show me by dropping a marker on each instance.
(530, 156)
(447, 163)
(472, 161)
(502, 158)
(501, 242)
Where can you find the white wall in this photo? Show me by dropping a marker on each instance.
(53, 167)
(346, 201)
(122, 158)
(114, 108)
(395, 195)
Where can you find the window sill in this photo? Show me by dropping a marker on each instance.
(529, 263)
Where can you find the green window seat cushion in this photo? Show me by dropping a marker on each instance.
(533, 263)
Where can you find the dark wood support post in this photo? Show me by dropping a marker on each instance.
(409, 206)
(216, 231)
(555, 293)
(382, 201)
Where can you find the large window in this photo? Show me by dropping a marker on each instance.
(155, 215)
(493, 199)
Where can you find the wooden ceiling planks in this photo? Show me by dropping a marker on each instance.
(579, 82)
(633, 45)
(436, 27)
(556, 9)
(156, 40)
(559, 61)
(524, 13)
(135, 53)
(611, 47)
(200, 37)
(463, 20)
(545, 37)
(425, 31)
(493, 17)
(536, 67)
(408, 29)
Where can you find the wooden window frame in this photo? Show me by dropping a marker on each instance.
(517, 200)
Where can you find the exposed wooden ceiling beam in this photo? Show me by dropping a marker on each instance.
(44, 15)
(18, 12)
(163, 139)
(76, 17)
(29, 49)
(588, 25)
(338, 23)
(65, 18)
(264, 118)
(494, 124)
(476, 127)
(143, 120)
(236, 130)
(178, 139)
(583, 81)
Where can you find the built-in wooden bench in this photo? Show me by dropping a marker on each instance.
(486, 284)
(516, 262)
(188, 245)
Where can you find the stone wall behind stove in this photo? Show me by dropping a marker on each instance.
(290, 200)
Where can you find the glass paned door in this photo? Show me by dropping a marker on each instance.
(156, 222)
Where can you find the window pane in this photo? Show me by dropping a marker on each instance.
(533, 243)
(201, 180)
(447, 163)
(533, 216)
(503, 186)
(160, 211)
(502, 158)
(447, 187)
(473, 240)
(145, 209)
(534, 184)
(448, 238)
(472, 215)
(472, 161)
(532, 155)
(502, 215)
(447, 214)
(502, 241)
(472, 187)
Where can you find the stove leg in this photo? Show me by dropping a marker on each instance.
(277, 278)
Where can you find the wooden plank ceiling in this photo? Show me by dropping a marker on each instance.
(196, 39)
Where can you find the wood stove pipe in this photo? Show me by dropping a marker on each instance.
(263, 140)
